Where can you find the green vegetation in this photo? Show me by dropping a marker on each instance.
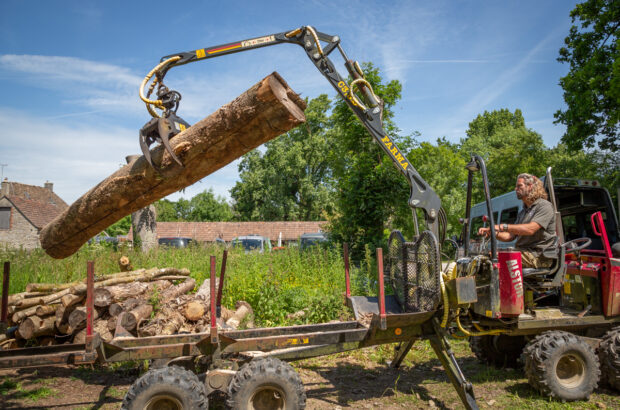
(275, 284)
(203, 207)
(592, 85)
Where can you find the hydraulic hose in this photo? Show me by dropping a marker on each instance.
(480, 333)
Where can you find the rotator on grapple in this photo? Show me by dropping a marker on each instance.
(162, 127)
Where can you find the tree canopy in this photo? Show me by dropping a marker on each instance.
(291, 180)
(204, 207)
(592, 85)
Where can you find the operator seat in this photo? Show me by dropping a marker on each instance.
(552, 276)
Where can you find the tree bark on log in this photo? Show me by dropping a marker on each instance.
(62, 318)
(17, 297)
(70, 300)
(268, 109)
(77, 318)
(100, 327)
(46, 310)
(22, 314)
(34, 326)
(180, 289)
(106, 296)
(130, 320)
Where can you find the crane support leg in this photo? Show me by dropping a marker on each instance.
(446, 357)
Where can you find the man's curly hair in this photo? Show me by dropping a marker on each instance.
(537, 188)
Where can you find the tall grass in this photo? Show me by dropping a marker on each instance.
(275, 284)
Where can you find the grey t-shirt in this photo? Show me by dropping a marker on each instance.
(541, 212)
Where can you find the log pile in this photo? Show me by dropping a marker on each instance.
(143, 302)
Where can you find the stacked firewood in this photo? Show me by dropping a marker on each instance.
(143, 302)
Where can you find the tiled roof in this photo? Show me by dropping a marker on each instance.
(209, 231)
(39, 214)
(32, 192)
(38, 204)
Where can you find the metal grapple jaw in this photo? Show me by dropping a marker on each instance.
(161, 130)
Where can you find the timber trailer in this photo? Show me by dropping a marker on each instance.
(469, 297)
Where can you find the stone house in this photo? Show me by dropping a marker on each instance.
(24, 211)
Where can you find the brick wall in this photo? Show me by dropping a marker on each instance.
(209, 231)
(22, 233)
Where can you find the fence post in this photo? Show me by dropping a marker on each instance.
(381, 290)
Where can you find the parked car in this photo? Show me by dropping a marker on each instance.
(104, 239)
(308, 240)
(175, 242)
(252, 243)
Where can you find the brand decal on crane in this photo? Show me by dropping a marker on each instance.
(394, 150)
(257, 41)
(347, 91)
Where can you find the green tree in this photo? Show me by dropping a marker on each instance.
(203, 207)
(508, 148)
(592, 85)
(120, 227)
(206, 207)
(443, 167)
(166, 211)
(291, 180)
(370, 189)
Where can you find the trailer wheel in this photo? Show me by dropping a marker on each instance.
(265, 384)
(561, 365)
(498, 350)
(167, 388)
(609, 357)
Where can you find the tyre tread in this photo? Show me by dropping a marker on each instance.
(262, 367)
(174, 375)
(539, 353)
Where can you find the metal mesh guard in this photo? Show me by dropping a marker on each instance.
(414, 271)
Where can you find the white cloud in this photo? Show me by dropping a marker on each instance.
(69, 69)
(77, 157)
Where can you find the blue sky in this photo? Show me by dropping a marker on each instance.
(70, 70)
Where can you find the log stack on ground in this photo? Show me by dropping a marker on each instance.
(268, 109)
(140, 302)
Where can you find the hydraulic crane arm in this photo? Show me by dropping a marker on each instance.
(369, 112)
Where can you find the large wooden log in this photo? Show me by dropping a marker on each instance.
(35, 326)
(268, 109)
(77, 318)
(177, 290)
(46, 310)
(130, 320)
(106, 295)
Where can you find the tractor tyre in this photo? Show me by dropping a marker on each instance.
(169, 388)
(498, 350)
(561, 365)
(609, 357)
(264, 384)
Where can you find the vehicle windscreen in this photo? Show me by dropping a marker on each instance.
(249, 244)
(307, 242)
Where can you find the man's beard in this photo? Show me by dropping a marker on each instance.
(519, 195)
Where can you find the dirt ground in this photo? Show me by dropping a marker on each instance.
(357, 380)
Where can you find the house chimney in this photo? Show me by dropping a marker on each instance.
(4, 190)
(49, 186)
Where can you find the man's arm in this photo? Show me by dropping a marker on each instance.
(507, 233)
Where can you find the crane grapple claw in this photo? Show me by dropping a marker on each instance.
(161, 130)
